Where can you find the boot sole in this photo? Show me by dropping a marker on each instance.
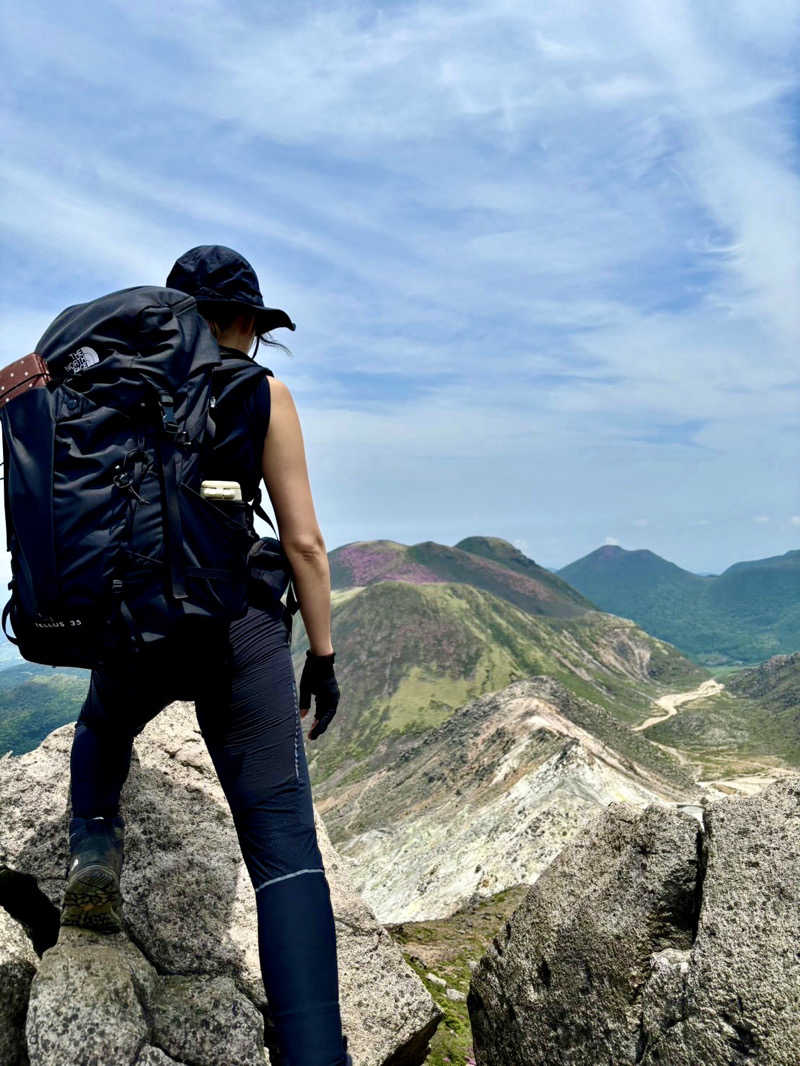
(92, 900)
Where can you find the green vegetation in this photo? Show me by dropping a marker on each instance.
(35, 700)
(448, 948)
(743, 616)
(408, 655)
(754, 722)
(726, 734)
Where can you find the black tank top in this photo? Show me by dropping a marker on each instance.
(241, 415)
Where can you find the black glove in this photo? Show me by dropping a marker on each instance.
(318, 679)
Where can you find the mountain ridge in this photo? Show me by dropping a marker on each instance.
(440, 645)
(744, 615)
(524, 583)
(485, 800)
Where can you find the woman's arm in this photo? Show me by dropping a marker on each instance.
(286, 477)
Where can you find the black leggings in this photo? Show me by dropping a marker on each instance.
(248, 715)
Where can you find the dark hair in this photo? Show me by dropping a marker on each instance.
(222, 316)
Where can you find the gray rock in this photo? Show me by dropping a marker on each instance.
(86, 1002)
(742, 989)
(18, 964)
(154, 1056)
(189, 903)
(583, 936)
(649, 941)
(96, 1000)
(206, 1020)
(490, 797)
(664, 1001)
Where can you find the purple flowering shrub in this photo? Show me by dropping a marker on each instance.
(368, 564)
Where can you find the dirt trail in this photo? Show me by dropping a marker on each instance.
(673, 700)
(746, 784)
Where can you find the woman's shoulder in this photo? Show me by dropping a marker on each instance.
(279, 392)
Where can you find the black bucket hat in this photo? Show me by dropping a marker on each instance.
(217, 275)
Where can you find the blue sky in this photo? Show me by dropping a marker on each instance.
(543, 262)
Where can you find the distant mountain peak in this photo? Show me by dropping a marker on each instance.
(488, 563)
(741, 616)
(494, 542)
(609, 551)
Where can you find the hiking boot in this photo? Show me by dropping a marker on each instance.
(92, 898)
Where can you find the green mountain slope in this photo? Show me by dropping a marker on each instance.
(34, 700)
(524, 584)
(409, 655)
(500, 551)
(776, 683)
(745, 615)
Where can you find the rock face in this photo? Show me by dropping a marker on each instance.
(653, 940)
(18, 963)
(184, 985)
(490, 797)
(764, 679)
(99, 996)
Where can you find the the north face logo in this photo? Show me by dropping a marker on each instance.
(82, 359)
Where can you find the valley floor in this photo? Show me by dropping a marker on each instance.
(746, 784)
(758, 774)
(673, 700)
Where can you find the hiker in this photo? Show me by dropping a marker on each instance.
(247, 707)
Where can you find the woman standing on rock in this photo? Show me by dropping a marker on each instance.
(246, 706)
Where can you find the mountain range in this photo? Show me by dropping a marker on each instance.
(742, 616)
(488, 712)
(422, 630)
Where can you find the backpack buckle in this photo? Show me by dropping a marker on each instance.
(165, 403)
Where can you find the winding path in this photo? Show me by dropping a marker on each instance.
(673, 700)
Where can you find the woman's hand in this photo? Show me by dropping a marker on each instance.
(318, 679)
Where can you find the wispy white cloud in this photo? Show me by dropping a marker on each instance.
(549, 252)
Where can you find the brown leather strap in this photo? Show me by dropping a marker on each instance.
(29, 372)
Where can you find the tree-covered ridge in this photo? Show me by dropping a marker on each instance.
(744, 615)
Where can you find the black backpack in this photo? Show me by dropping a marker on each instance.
(107, 433)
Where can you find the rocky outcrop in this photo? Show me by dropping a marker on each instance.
(490, 797)
(97, 999)
(18, 963)
(653, 940)
(776, 680)
(184, 985)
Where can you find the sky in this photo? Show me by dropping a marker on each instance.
(543, 259)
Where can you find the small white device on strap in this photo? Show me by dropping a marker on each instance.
(221, 490)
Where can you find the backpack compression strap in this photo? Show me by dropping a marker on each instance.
(292, 602)
(170, 489)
